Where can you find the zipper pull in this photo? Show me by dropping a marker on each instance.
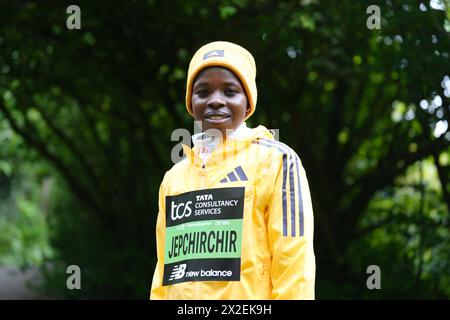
(202, 171)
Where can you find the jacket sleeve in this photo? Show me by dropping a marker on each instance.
(158, 291)
(290, 230)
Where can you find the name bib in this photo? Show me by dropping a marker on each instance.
(204, 235)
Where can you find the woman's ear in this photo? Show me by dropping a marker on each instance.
(248, 110)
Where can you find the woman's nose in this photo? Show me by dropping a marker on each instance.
(215, 100)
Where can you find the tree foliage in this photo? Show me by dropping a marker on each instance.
(364, 109)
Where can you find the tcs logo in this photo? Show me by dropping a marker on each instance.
(177, 211)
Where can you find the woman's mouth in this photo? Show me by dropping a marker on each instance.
(216, 118)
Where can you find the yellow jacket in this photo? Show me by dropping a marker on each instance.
(239, 227)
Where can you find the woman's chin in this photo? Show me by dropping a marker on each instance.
(219, 125)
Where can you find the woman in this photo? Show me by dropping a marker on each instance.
(235, 216)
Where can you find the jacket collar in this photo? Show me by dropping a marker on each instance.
(232, 145)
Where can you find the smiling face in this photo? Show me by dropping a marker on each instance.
(219, 100)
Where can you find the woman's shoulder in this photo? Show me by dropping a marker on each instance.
(178, 167)
(175, 171)
(274, 147)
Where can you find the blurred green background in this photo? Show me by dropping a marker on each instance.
(86, 118)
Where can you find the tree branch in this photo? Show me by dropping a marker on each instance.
(385, 175)
(71, 179)
(443, 178)
(71, 146)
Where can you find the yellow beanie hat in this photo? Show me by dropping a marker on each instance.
(228, 55)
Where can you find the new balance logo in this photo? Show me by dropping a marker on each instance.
(178, 272)
(235, 175)
(215, 53)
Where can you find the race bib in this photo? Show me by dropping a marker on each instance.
(204, 235)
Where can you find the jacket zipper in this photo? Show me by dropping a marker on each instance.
(203, 175)
(203, 184)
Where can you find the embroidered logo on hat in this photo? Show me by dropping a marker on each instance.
(214, 53)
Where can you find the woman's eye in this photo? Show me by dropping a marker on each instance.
(202, 93)
(230, 92)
